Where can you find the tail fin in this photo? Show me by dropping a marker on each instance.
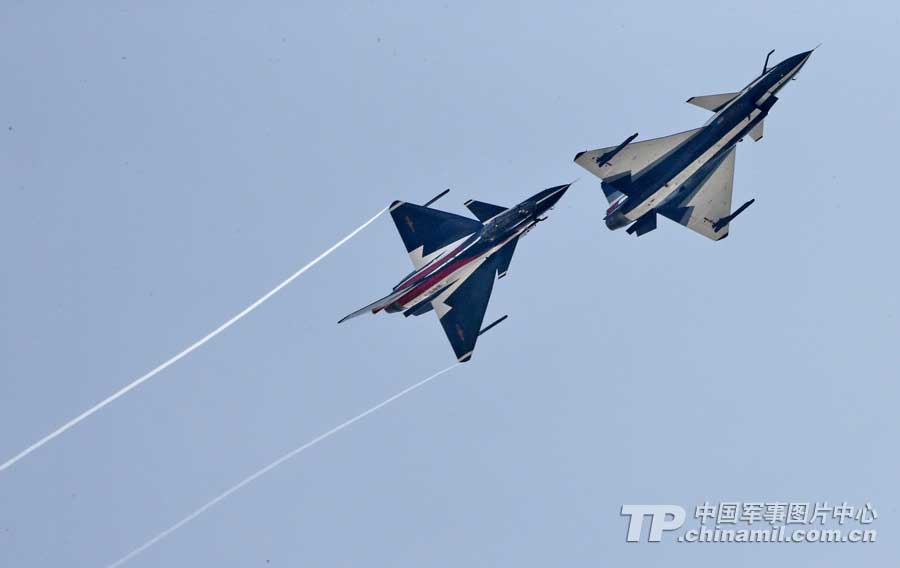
(616, 186)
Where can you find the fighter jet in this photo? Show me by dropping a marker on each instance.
(688, 177)
(455, 260)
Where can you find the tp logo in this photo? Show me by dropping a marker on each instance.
(664, 518)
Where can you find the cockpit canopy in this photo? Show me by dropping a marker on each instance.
(501, 223)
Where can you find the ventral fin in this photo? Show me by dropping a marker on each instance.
(757, 132)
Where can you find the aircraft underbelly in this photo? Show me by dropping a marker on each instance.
(659, 196)
(455, 278)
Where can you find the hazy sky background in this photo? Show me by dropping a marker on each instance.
(165, 163)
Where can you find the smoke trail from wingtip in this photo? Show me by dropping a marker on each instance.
(259, 473)
(137, 382)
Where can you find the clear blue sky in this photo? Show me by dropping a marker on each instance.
(165, 163)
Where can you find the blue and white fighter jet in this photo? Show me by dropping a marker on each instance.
(456, 260)
(688, 177)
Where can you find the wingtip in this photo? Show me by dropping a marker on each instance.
(578, 155)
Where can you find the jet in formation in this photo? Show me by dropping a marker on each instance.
(456, 260)
(688, 177)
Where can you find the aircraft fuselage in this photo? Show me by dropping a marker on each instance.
(659, 182)
(452, 264)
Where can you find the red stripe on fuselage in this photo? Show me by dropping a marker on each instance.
(433, 279)
(439, 273)
(426, 270)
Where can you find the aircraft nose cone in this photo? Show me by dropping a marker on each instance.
(548, 198)
(799, 60)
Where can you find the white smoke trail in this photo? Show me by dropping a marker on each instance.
(253, 477)
(137, 382)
